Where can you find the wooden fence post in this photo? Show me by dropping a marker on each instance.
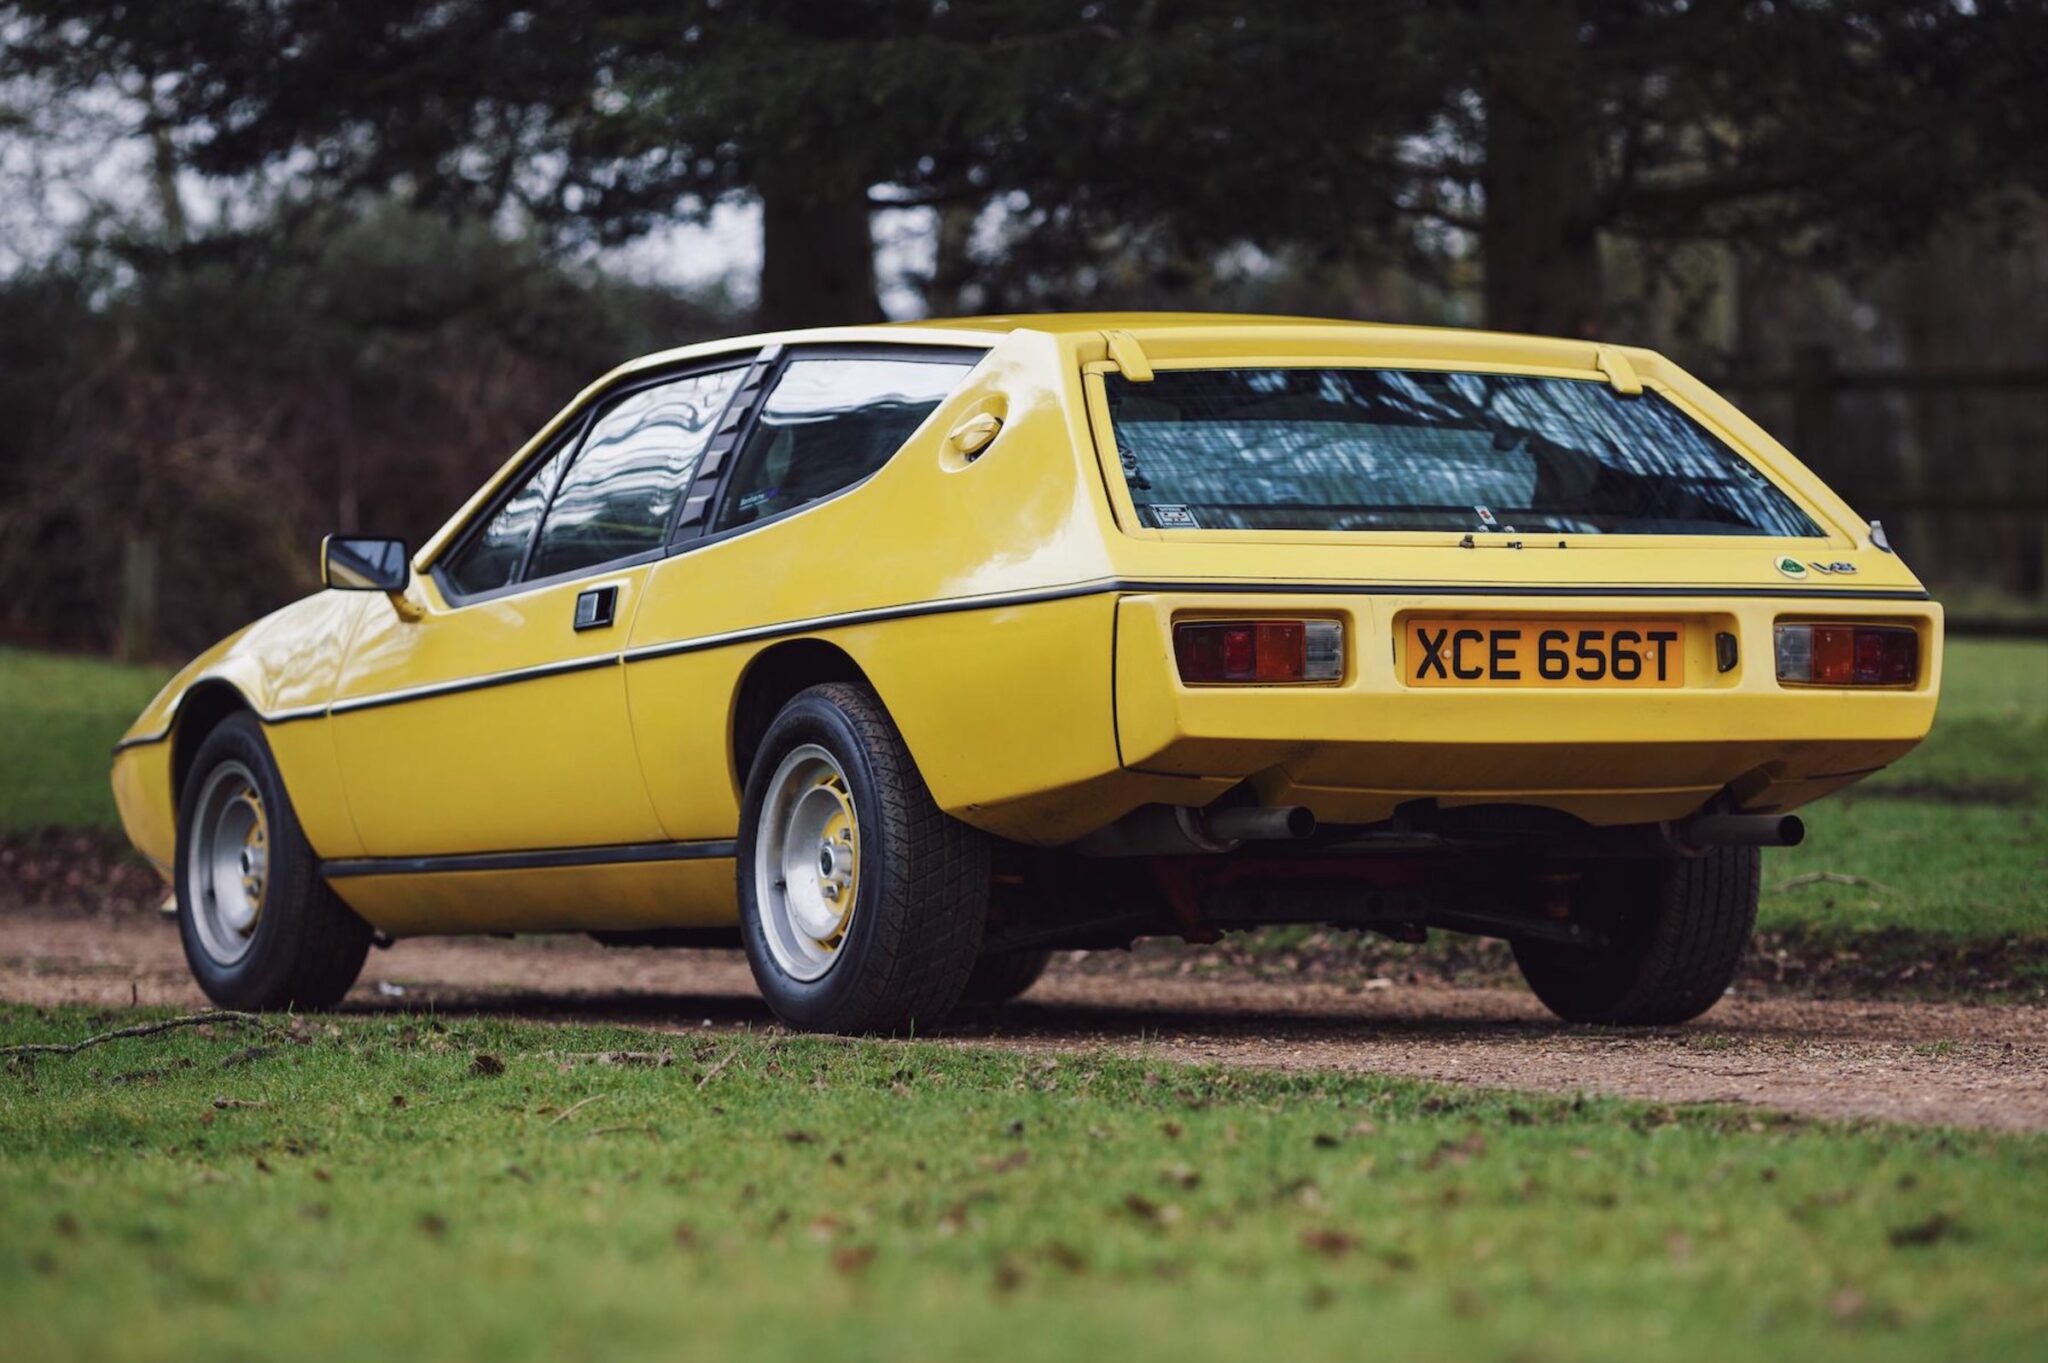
(1814, 380)
(136, 642)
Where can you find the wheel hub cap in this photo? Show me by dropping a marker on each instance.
(228, 862)
(807, 862)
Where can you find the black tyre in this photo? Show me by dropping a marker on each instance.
(1677, 928)
(862, 904)
(1004, 975)
(261, 929)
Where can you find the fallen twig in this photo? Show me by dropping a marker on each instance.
(1832, 878)
(649, 1059)
(566, 1113)
(441, 1102)
(140, 1029)
(719, 1068)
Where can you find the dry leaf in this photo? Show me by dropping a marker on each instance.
(1331, 1244)
(1936, 1228)
(1456, 1152)
(1145, 1209)
(852, 1259)
(1066, 1257)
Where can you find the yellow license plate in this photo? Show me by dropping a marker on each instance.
(1556, 653)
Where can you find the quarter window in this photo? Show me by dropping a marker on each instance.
(829, 422)
(491, 559)
(620, 494)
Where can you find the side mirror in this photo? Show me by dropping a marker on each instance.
(360, 563)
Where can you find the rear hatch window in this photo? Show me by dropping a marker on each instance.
(1383, 449)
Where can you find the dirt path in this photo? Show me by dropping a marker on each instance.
(1911, 1062)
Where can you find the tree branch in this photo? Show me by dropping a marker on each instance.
(141, 1029)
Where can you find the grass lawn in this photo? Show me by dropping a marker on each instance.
(1954, 838)
(59, 717)
(466, 1189)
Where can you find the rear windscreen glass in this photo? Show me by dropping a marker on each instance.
(1381, 449)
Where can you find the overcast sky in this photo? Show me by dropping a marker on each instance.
(79, 161)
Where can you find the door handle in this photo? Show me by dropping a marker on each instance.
(596, 608)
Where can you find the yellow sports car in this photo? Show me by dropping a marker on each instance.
(905, 654)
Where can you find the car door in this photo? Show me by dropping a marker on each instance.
(829, 417)
(497, 720)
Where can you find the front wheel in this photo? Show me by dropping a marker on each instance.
(261, 929)
(1676, 929)
(862, 903)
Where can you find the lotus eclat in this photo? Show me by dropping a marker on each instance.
(904, 655)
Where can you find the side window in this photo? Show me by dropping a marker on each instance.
(830, 422)
(620, 493)
(491, 559)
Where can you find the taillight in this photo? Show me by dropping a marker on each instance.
(1848, 655)
(1259, 652)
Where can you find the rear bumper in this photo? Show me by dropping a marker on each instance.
(1355, 750)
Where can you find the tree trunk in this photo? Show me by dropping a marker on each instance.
(135, 641)
(1540, 236)
(818, 255)
(953, 265)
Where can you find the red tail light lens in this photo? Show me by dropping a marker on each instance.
(1259, 652)
(1848, 655)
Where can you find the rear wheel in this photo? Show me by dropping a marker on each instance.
(1003, 976)
(862, 904)
(1676, 930)
(261, 929)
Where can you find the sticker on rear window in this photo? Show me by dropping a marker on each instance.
(1172, 516)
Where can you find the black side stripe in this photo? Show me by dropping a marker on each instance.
(539, 859)
(274, 719)
(483, 683)
(1099, 587)
(949, 606)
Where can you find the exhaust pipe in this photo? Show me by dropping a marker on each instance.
(1692, 837)
(1172, 830)
(1741, 830)
(1261, 823)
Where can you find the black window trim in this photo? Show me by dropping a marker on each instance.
(571, 437)
(1726, 441)
(688, 539)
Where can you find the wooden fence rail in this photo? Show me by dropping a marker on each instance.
(1953, 459)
